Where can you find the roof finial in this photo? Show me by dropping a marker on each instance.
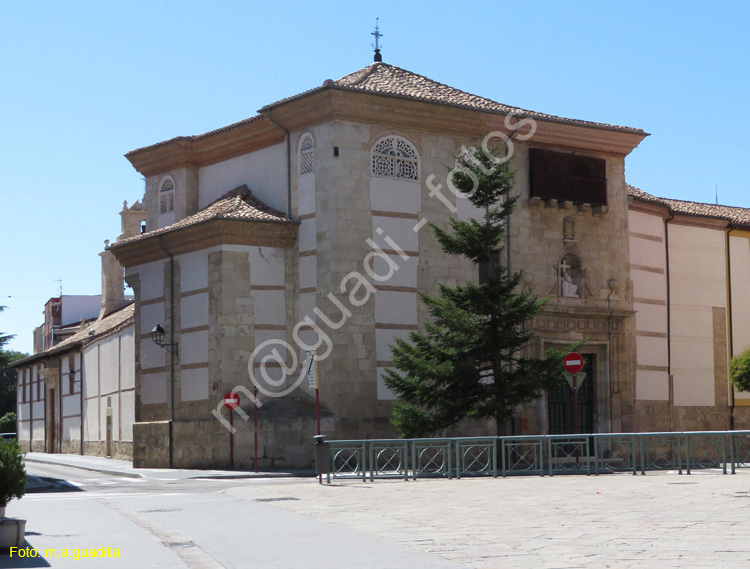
(377, 35)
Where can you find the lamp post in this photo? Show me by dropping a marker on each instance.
(157, 335)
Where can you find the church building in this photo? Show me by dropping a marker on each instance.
(305, 227)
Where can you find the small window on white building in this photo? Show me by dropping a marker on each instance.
(395, 157)
(166, 196)
(306, 155)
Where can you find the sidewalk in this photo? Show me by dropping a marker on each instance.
(125, 468)
(619, 521)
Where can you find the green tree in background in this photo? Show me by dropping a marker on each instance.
(7, 375)
(473, 360)
(739, 371)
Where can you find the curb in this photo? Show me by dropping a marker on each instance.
(90, 468)
(264, 475)
(128, 474)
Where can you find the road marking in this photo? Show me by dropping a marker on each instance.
(192, 555)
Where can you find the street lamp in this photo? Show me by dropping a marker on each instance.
(157, 335)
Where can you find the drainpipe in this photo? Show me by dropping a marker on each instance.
(730, 335)
(171, 353)
(60, 404)
(31, 406)
(80, 370)
(288, 163)
(669, 318)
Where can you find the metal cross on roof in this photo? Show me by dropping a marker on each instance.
(377, 35)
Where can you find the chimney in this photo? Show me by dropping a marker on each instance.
(113, 283)
(113, 277)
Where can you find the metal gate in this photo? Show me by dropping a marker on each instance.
(560, 403)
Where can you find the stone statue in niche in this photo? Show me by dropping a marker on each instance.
(570, 277)
(569, 228)
(568, 288)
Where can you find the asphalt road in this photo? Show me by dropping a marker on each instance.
(177, 523)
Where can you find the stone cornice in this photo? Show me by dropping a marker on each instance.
(205, 149)
(391, 111)
(698, 221)
(662, 210)
(203, 235)
(469, 124)
(585, 311)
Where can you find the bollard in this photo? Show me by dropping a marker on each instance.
(322, 457)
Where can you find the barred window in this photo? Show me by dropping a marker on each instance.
(394, 157)
(166, 196)
(306, 155)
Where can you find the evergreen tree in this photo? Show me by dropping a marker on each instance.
(7, 375)
(473, 360)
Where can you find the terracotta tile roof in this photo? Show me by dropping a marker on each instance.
(239, 204)
(736, 215)
(108, 325)
(384, 79)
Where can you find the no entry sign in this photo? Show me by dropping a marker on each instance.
(231, 400)
(573, 362)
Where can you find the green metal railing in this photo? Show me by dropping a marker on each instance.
(540, 455)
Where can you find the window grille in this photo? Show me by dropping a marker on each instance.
(166, 197)
(394, 157)
(306, 155)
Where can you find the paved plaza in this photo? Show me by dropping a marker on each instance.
(214, 520)
(661, 520)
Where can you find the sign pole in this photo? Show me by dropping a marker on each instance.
(317, 400)
(311, 371)
(575, 405)
(255, 428)
(231, 439)
(573, 364)
(317, 391)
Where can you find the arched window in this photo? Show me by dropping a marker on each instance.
(395, 157)
(306, 155)
(166, 196)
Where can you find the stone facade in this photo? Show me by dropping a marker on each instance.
(245, 281)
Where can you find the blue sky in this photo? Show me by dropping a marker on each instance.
(82, 83)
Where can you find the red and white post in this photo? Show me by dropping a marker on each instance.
(573, 364)
(231, 402)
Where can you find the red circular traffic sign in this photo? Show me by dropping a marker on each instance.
(231, 400)
(573, 362)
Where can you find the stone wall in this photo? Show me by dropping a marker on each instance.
(120, 450)
(151, 444)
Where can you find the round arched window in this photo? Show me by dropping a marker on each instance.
(306, 155)
(395, 157)
(166, 196)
